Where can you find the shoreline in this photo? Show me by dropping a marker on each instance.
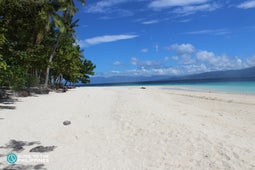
(239, 87)
(131, 128)
(205, 90)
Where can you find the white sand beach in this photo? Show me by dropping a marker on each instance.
(131, 128)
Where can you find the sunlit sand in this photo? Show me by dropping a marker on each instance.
(132, 128)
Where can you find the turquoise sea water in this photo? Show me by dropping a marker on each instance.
(247, 87)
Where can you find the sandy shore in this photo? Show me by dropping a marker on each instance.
(130, 128)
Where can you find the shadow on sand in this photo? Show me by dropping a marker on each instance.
(25, 167)
(19, 146)
(8, 107)
(7, 99)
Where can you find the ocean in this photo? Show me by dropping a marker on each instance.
(246, 87)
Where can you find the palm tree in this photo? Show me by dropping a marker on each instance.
(63, 23)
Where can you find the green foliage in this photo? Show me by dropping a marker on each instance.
(3, 65)
(86, 70)
(36, 36)
(14, 77)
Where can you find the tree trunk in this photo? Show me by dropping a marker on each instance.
(50, 61)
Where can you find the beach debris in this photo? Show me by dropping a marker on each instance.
(6, 94)
(23, 93)
(3, 94)
(65, 89)
(32, 90)
(61, 90)
(143, 87)
(67, 122)
(38, 90)
(42, 149)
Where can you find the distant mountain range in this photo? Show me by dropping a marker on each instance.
(243, 74)
(229, 74)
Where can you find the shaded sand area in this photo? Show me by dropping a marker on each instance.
(131, 128)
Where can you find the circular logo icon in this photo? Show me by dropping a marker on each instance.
(11, 158)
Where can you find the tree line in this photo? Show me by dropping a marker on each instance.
(38, 44)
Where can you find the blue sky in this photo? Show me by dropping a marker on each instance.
(167, 37)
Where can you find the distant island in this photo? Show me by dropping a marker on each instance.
(247, 74)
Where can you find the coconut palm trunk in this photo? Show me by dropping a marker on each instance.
(70, 9)
(50, 61)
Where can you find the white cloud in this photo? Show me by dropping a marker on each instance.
(146, 72)
(117, 63)
(115, 72)
(210, 31)
(183, 48)
(145, 50)
(165, 71)
(175, 58)
(187, 59)
(190, 59)
(222, 62)
(185, 52)
(187, 10)
(116, 13)
(185, 20)
(156, 47)
(247, 4)
(110, 8)
(150, 22)
(134, 61)
(105, 39)
(148, 64)
(102, 6)
(251, 61)
(205, 56)
(158, 4)
(194, 69)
